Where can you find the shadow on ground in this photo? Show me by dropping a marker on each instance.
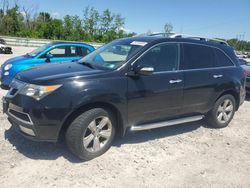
(51, 151)
(247, 97)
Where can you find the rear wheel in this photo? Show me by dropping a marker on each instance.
(91, 134)
(222, 113)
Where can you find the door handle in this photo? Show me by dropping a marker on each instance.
(175, 81)
(217, 76)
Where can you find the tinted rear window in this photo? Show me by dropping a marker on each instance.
(222, 59)
(197, 57)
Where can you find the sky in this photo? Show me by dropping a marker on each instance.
(209, 18)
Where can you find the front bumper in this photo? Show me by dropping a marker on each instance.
(4, 87)
(4, 80)
(32, 120)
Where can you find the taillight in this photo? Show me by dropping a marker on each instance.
(244, 73)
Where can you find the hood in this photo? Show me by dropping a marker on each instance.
(17, 60)
(54, 72)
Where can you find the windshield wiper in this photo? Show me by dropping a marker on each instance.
(87, 64)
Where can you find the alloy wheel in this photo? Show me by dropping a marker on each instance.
(97, 135)
(225, 111)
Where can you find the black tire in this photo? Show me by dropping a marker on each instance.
(211, 116)
(78, 129)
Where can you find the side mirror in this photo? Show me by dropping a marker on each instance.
(48, 57)
(145, 70)
(141, 70)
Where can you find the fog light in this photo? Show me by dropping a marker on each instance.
(27, 130)
(6, 73)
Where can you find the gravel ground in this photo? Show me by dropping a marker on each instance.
(187, 155)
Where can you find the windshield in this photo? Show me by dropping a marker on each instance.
(38, 50)
(113, 55)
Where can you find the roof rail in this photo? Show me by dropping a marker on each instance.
(177, 35)
(162, 34)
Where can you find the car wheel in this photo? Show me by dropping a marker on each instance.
(222, 113)
(91, 133)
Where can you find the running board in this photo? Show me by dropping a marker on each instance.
(166, 123)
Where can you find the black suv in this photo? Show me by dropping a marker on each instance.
(131, 84)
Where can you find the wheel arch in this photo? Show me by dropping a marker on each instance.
(110, 107)
(234, 93)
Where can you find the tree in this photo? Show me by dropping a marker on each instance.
(90, 22)
(168, 28)
(110, 26)
(93, 26)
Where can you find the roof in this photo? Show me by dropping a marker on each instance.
(158, 39)
(68, 42)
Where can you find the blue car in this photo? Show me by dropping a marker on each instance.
(49, 53)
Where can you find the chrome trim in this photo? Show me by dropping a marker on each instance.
(147, 69)
(30, 122)
(217, 76)
(190, 70)
(210, 68)
(27, 130)
(175, 81)
(166, 123)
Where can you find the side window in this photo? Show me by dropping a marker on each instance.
(222, 59)
(59, 51)
(82, 51)
(73, 51)
(163, 57)
(197, 57)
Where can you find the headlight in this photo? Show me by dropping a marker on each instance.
(38, 91)
(7, 67)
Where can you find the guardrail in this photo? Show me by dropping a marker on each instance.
(29, 42)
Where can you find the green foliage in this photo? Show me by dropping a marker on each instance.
(94, 26)
(239, 45)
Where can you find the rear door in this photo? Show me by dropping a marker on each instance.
(201, 77)
(160, 95)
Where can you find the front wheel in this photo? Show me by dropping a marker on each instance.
(91, 133)
(222, 113)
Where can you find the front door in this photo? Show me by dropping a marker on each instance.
(62, 54)
(158, 96)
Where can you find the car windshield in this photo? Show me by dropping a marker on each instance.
(112, 55)
(38, 50)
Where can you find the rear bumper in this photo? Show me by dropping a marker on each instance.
(248, 90)
(248, 85)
